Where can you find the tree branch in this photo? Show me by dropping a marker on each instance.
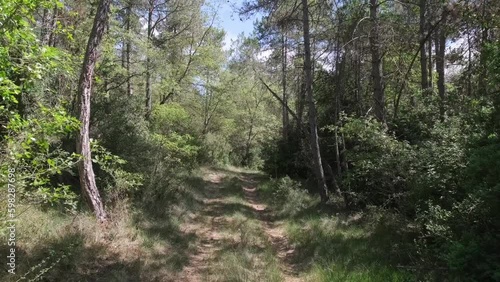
(405, 78)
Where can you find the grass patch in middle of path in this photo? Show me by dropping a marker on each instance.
(251, 257)
(243, 264)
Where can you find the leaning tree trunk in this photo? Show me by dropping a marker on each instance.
(85, 170)
(376, 72)
(314, 139)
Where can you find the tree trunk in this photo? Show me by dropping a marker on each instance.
(300, 99)
(314, 139)
(128, 48)
(469, 62)
(85, 170)
(357, 77)
(247, 157)
(483, 69)
(286, 121)
(424, 81)
(52, 28)
(149, 99)
(44, 31)
(430, 65)
(376, 72)
(440, 65)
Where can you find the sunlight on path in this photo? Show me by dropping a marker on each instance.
(233, 221)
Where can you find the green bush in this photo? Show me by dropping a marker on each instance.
(288, 197)
(464, 229)
(116, 183)
(35, 152)
(285, 157)
(381, 167)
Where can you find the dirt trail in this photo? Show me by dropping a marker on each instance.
(206, 230)
(210, 224)
(275, 234)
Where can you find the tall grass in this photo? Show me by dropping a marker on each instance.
(338, 246)
(332, 249)
(246, 265)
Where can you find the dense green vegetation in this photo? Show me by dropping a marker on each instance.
(344, 140)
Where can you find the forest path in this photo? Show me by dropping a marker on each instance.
(237, 237)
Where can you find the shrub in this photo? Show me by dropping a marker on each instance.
(118, 184)
(35, 152)
(381, 167)
(463, 229)
(288, 197)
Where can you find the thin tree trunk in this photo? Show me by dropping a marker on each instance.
(440, 65)
(469, 62)
(149, 99)
(482, 89)
(335, 185)
(246, 158)
(128, 49)
(52, 27)
(430, 65)
(423, 52)
(85, 169)
(339, 170)
(301, 100)
(44, 31)
(376, 72)
(483, 70)
(337, 153)
(314, 139)
(286, 121)
(436, 49)
(357, 76)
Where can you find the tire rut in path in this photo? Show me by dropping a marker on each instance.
(210, 220)
(205, 226)
(273, 230)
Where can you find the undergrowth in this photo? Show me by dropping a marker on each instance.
(338, 246)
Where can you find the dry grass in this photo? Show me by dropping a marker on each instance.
(204, 229)
(215, 228)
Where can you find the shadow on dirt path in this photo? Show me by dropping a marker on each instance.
(230, 201)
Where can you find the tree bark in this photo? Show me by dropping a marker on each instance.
(430, 65)
(469, 62)
(482, 89)
(301, 92)
(483, 69)
(314, 139)
(376, 72)
(149, 99)
(128, 48)
(85, 169)
(286, 121)
(423, 52)
(440, 65)
(53, 25)
(357, 77)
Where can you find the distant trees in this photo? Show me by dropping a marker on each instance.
(398, 131)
